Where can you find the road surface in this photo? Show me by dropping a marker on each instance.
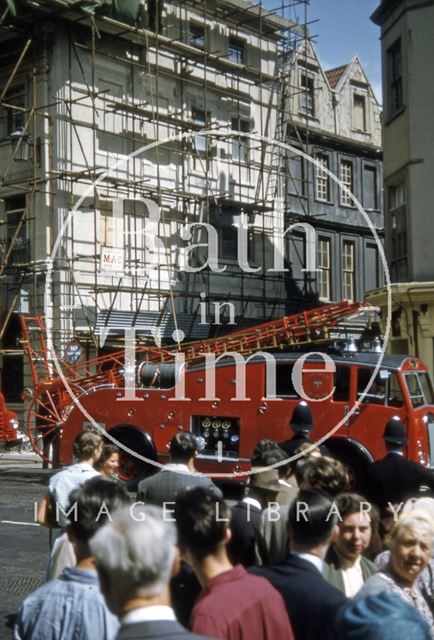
(24, 545)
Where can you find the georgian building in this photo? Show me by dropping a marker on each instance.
(141, 186)
(407, 41)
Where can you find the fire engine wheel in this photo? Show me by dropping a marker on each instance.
(132, 469)
(44, 427)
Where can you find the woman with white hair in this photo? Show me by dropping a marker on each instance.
(425, 581)
(410, 542)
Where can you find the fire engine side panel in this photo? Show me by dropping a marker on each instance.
(164, 412)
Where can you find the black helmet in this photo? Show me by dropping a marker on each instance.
(395, 431)
(301, 419)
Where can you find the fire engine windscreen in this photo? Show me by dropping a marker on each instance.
(158, 376)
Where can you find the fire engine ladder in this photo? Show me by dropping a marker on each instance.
(35, 347)
(81, 376)
(306, 327)
(298, 329)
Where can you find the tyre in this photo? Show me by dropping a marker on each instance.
(132, 468)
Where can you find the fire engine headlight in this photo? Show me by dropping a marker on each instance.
(14, 423)
(429, 417)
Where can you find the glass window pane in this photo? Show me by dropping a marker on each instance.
(322, 182)
(346, 176)
(236, 50)
(369, 187)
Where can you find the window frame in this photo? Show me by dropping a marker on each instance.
(344, 199)
(307, 102)
(14, 209)
(16, 118)
(297, 182)
(394, 77)
(224, 220)
(324, 269)
(350, 271)
(397, 214)
(240, 146)
(372, 168)
(201, 148)
(192, 37)
(237, 50)
(325, 177)
(359, 96)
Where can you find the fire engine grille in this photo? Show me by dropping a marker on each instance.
(20, 586)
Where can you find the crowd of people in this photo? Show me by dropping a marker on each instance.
(299, 556)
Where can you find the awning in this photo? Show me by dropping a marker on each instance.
(151, 323)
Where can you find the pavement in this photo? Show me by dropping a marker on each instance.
(14, 458)
(24, 547)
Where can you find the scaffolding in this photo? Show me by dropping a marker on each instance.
(86, 97)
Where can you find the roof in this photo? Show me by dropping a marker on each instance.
(385, 7)
(127, 10)
(334, 75)
(392, 362)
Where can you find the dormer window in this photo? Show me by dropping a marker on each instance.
(307, 95)
(359, 112)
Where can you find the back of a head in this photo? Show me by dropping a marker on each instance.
(182, 447)
(85, 444)
(263, 448)
(385, 616)
(311, 518)
(325, 474)
(309, 452)
(136, 550)
(395, 433)
(95, 501)
(201, 521)
(276, 456)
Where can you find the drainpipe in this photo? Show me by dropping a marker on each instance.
(415, 315)
(335, 114)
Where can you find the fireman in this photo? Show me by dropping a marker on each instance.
(301, 423)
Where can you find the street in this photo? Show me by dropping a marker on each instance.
(24, 545)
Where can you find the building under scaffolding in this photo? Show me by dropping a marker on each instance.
(108, 179)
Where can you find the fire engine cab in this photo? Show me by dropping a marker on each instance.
(177, 390)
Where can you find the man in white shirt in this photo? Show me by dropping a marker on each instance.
(136, 555)
(86, 448)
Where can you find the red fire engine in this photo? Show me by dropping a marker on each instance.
(9, 433)
(145, 418)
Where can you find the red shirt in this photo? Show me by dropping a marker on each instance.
(236, 605)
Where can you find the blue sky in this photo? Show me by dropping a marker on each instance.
(342, 30)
